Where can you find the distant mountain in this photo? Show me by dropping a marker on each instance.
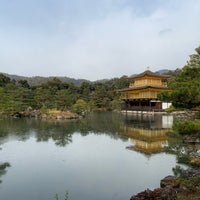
(163, 71)
(36, 80)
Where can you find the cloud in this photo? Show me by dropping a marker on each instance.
(164, 31)
(125, 44)
(113, 39)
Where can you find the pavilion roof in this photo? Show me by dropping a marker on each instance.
(143, 87)
(149, 73)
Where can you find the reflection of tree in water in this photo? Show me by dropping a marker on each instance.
(61, 131)
(3, 134)
(3, 167)
(21, 128)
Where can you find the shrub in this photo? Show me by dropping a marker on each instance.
(187, 127)
(183, 158)
(170, 109)
(191, 183)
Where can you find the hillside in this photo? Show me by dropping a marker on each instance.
(36, 80)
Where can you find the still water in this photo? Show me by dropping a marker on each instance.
(101, 157)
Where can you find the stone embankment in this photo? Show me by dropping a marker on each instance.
(184, 115)
(60, 115)
(50, 114)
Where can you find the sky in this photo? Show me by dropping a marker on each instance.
(96, 39)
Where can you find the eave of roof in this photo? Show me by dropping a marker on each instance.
(143, 87)
(149, 73)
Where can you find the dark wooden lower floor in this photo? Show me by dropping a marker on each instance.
(142, 105)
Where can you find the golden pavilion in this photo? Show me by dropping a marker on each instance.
(142, 93)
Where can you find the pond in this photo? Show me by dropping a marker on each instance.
(103, 156)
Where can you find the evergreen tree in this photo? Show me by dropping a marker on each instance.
(185, 84)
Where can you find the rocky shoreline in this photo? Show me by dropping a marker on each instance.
(49, 114)
(171, 188)
(187, 186)
(184, 115)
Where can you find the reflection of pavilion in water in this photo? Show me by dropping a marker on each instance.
(147, 135)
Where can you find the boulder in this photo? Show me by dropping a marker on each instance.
(167, 193)
(195, 162)
(192, 138)
(169, 181)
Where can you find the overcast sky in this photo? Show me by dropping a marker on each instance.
(96, 39)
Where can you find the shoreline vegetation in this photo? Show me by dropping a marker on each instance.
(17, 96)
(184, 184)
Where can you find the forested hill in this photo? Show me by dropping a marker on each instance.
(37, 80)
(56, 93)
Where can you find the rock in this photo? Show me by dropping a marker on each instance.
(17, 115)
(191, 139)
(184, 115)
(60, 115)
(192, 172)
(28, 113)
(44, 116)
(169, 181)
(167, 193)
(147, 194)
(195, 162)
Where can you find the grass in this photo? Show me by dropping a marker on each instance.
(66, 197)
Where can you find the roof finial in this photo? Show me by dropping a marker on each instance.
(148, 68)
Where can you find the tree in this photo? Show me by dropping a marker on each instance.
(64, 99)
(185, 84)
(80, 106)
(24, 83)
(4, 80)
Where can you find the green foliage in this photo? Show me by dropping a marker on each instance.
(164, 96)
(187, 127)
(23, 83)
(186, 178)
(104, 94)
(180, 172)
(56, 197)
(197, 115)
(115, 104)
(191, 183)
(66, 197)
(185, 84)
(80, 106)
(183, 158)
(4, 80)
(170, 109)
(17, 96)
